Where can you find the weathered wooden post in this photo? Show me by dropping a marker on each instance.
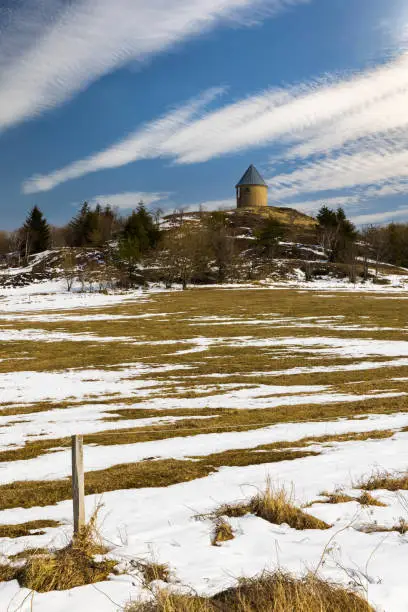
(78, 486)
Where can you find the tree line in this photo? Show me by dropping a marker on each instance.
(207, 248)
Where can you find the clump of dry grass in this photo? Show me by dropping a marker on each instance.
(223, 532)
(273, 505)
(28, 552)
(385, 480)
(276, 506)
(152, 571)
(366, 499)
(70, 567)
(276, 592)
(338, 497)
(401, 528)
(7, 572)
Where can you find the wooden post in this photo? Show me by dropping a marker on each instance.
(78, 487)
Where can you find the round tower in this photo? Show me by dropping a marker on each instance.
(252, 191)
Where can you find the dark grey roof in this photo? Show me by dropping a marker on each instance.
(251, 177)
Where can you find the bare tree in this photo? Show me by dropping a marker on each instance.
(221, 243)
(69, 267)
(375, 244)
(184, 252)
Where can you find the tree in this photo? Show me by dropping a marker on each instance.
(269, 235)
(221, 243)
(92, 227)
(141, 227)
(35, 233)
(82, 226)
(337, 234)
(69, 267)
(128, 256)
(184, 253)
(4, 243)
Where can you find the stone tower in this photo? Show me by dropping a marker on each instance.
(252, 191)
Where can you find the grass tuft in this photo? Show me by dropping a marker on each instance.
(338, 497)
(223, 532)
(276, 592)
(63, 569)
(275, 506)
(366, 499)
(152, 571)
(385, 480)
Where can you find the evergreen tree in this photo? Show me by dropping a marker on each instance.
(269, 235)
(337, 234)
(35, 233)
(140, 228)
(82, 226)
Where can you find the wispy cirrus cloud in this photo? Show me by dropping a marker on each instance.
(342, 131)
(128, 199)
(312, 206)
(398, 214)
(52, 49)
(145, 143)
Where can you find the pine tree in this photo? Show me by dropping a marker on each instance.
(141, 228)
(337, 234)
(92, 227)
(84, 226)
(269, 235)
(36, 236)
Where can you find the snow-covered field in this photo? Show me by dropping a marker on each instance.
(153, 377)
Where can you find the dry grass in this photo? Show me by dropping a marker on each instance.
(158, 473)
(276, 592)
(401, 528)
(25, 529)
(152, 571)
(366, 499)
(63, 569)
(275, 506)
(222, 532)
(385, 480)
(338, 497)
(224, 420)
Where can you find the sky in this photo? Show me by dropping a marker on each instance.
(169, 101)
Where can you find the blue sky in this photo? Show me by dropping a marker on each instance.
(171, 100)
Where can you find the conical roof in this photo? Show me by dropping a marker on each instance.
(251, 177)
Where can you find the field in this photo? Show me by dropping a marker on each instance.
(190, 402)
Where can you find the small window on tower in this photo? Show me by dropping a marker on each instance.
(247, 189)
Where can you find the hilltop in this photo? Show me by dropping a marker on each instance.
(239, 245)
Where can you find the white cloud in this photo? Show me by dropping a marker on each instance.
(367, 166)
(312, 206)
(128, 199)
(52, 49)
(352, 131)
(144, 143)
(399, 214)
(348, 108)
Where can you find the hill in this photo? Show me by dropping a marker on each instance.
(229, 251)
